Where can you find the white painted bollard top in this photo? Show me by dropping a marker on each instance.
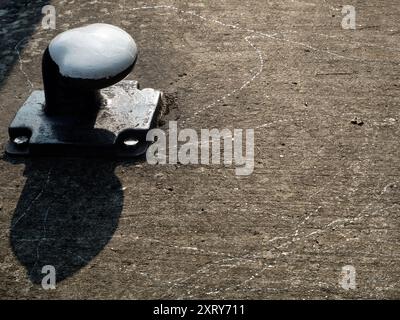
(93, 52)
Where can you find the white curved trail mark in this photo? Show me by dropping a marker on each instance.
(245, 84)
(16, 49)
(230, 26)
(367, 44)
(269, 124)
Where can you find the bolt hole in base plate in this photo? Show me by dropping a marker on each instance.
(131, 143)
(119, 129)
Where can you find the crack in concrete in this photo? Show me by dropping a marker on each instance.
(16, 49)
(34, 200)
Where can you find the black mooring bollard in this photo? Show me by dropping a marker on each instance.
(85, 108)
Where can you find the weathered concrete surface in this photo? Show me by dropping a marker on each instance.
(324, 193)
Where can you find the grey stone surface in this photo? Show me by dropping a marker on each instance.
(324, 192)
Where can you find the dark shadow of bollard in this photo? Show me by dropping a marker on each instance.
(67, 213)
(18, 20)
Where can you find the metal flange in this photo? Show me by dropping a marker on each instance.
(119, 128)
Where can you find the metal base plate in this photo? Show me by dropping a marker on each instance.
(119, 128)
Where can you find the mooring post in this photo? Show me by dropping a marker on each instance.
(85, 106)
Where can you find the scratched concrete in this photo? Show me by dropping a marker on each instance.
(324, 192)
